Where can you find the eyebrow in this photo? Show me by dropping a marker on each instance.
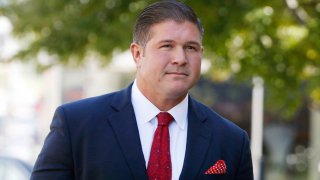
(194, 43)
(166, 41)
(188, 42)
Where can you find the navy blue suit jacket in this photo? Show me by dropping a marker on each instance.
(98, 138)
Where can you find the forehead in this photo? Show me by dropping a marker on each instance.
(173, 30)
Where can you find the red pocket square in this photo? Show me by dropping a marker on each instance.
(218, 168)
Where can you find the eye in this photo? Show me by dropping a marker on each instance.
(166, 46)
(191, 48)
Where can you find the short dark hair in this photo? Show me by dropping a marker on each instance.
(159, 12)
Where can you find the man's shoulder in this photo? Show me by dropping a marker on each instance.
(100, 99)
(96, 102)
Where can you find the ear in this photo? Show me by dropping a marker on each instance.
(136, 52)
(202, 49)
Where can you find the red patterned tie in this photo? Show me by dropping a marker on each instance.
(159, 165)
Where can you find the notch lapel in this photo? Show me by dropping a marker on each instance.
(125, 127)
(198, 140)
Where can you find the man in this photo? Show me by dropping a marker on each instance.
(153, 129)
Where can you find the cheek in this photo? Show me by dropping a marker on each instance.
(196, 65)
(149, 67)
(159, 61)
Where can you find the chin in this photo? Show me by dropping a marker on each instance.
(179, 91)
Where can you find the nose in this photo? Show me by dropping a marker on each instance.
(179, 57)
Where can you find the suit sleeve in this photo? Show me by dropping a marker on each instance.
(55, 159)
(245, 170)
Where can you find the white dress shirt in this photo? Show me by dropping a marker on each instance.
(146, 113)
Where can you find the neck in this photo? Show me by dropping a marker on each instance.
(163, 102)
(166, 104)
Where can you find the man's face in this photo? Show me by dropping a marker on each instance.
(169, 64)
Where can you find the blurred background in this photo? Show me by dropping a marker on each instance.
(261, 70)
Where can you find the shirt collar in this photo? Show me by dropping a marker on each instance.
(141, 105)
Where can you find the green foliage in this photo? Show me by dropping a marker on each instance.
(243, 38)
(71, 29)
(267, 39)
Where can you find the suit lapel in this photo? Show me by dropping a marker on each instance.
(124, 125)
(198, 140)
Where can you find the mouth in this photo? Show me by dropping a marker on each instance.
(177, 73)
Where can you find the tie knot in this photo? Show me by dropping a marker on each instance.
(164, 119)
